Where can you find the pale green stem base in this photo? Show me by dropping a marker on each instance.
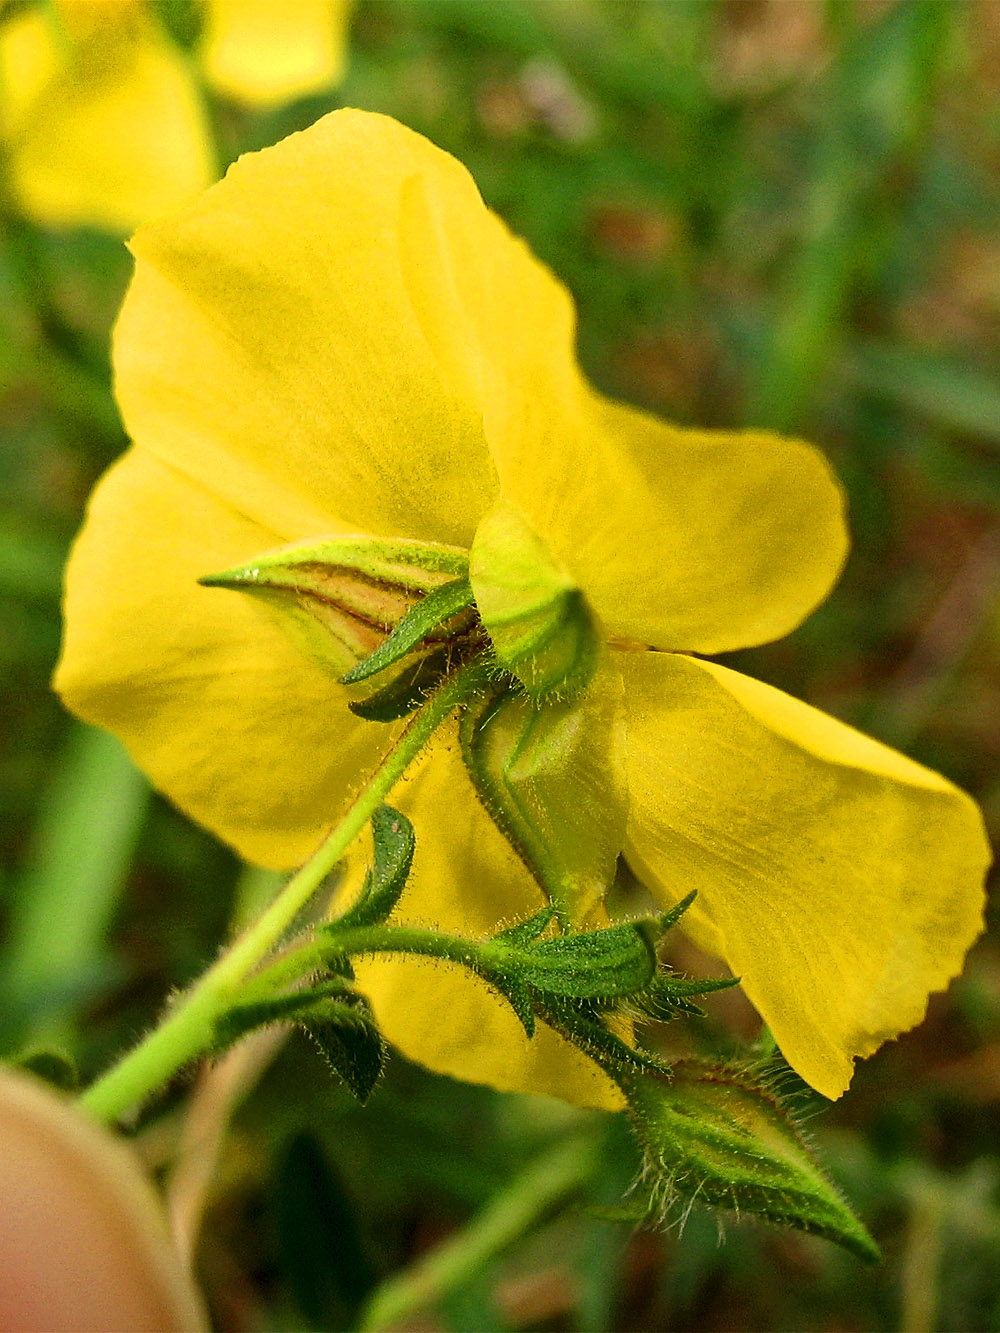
(539, 1189)
(187, 1031)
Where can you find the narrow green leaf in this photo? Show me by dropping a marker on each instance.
(394, 842)
(517, 995)
(669, 996)
(669, 919)
(582, 1025)
(427, 615)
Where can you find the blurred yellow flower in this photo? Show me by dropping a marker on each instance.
(340, 338)
(101, 113)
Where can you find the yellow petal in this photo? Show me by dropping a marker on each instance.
(279, 339)
(466, 879)
(697, 540)
(224, 714)
(264, 52)
(105, 128)
(840, 880)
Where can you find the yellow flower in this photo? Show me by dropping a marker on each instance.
(102, 114)
(341, 339)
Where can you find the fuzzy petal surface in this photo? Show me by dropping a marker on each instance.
(840, 880)
(466, 879)
(105, 126)
(265, 52)
(245, 733)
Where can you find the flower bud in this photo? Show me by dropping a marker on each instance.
(341, 597)
(541, 628)
(711, 1133)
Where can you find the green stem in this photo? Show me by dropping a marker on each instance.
(188, 1028)
(317, 953)
(543, 1185)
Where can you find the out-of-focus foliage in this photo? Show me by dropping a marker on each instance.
(771, 212)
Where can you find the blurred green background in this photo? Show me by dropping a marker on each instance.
(775, 213)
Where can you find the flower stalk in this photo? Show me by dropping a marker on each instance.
(187, 1030)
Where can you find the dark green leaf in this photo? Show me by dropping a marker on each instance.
(394, 843)
(527, 930)
(243, 1018)
(321, 1249)
(352, 1046)
(52, 1067)
(583, 1026)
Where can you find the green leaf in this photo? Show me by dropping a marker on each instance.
(52, 1067)
(669, 996)
(517, 995)
(546, 776)
(669, 919)
(394, 840)
(432, 612)
(714, 1134)
(319, 1238)
(350, 1041)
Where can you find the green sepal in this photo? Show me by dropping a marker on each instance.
(670, 919)
(599, 965)
(339, 598)
(242, 1018)
(547, 779)
(351, 1043)
(716, 1135)
(408, 690)
(537, 618)
(517, 995)
(394, 842)
(668, 996)
(581, 1023)
(523, 932)
(431, 613)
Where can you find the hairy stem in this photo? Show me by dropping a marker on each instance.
(187, 1030)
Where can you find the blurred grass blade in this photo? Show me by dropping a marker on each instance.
(542, 1186)
(77, 865)
(852, 197)
(948, 392)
